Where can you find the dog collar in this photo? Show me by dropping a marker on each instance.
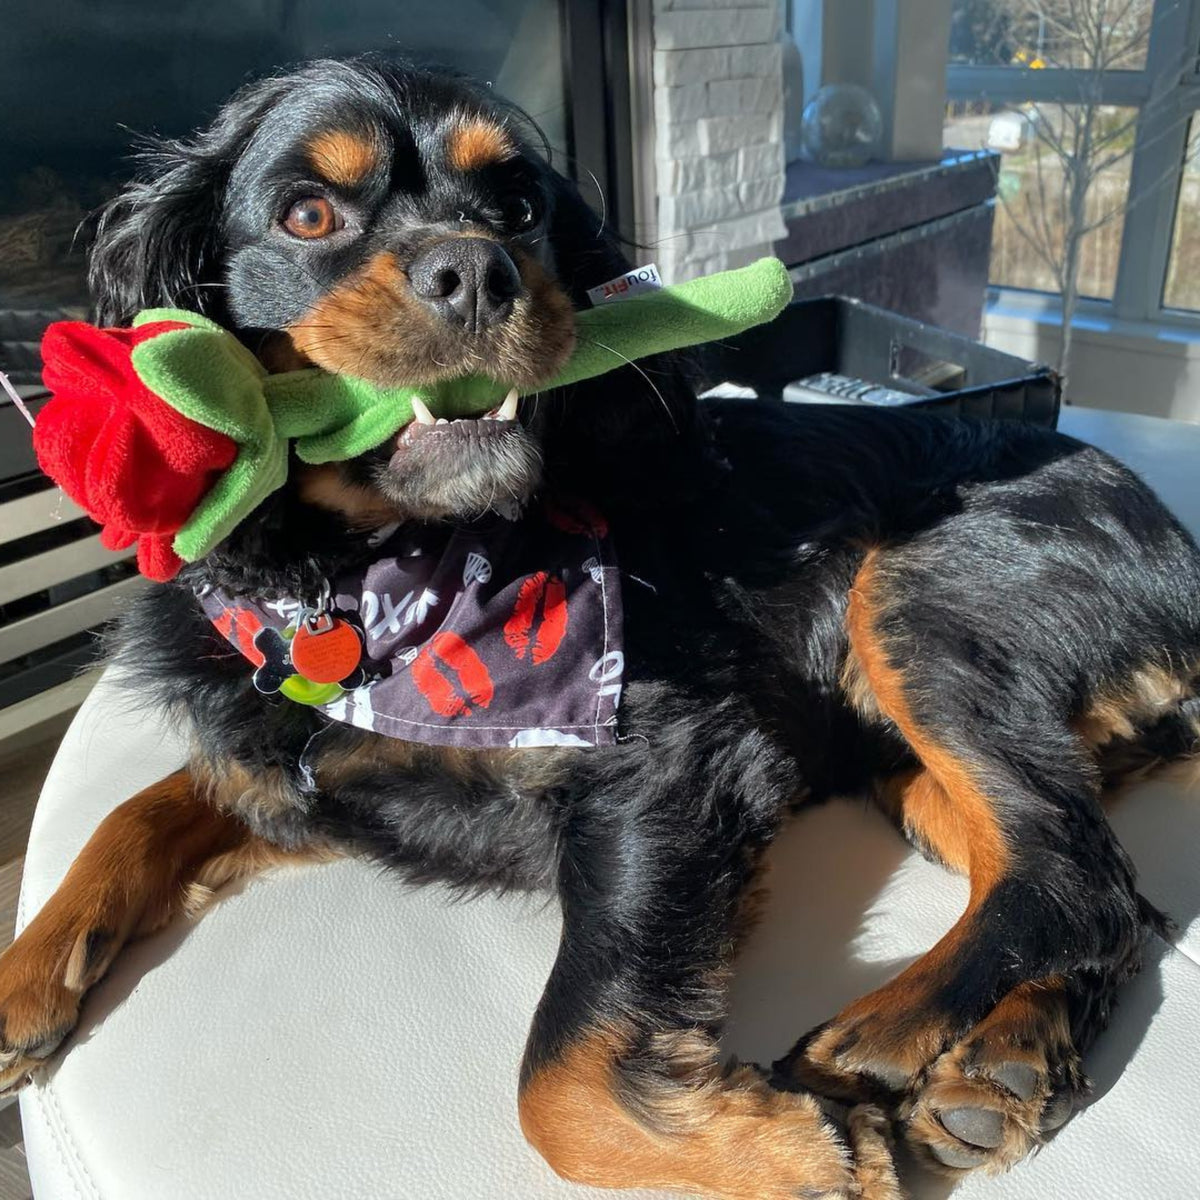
(505, 635)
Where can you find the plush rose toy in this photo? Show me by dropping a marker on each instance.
(136, 465)
(171, 433)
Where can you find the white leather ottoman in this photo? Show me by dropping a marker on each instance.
(328, 1033)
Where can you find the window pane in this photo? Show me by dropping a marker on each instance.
(1112, 34)
(1183, 273)
(1031, 215)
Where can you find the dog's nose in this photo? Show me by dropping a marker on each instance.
(466, 280)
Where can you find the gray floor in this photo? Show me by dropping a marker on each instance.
(14, 1174)
(22, 769)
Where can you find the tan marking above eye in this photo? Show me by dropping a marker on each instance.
(476, 143)
(344, 158)
(312, 217)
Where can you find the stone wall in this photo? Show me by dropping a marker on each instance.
(719, 153)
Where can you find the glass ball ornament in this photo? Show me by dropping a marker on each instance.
(842, 126)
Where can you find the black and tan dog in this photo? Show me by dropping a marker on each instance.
(980, 626)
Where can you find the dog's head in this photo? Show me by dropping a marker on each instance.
(387, 223)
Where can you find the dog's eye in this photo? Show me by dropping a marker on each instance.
(312, 217)
(521, 213)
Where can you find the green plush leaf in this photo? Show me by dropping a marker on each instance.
(150, 316)
(206, 374)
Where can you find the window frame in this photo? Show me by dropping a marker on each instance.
(1156, 169)
(601, 101)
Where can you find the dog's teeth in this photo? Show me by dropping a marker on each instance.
(442, 421)
(508, 410)
(421, 411)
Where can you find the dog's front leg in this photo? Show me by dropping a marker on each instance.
(158, 855)
(622, 1086)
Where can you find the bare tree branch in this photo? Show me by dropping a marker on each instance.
(1147, 140)
(1133, 201)
(1077, 147)
(1106, 138)
(1044, 206)
(1044, 250)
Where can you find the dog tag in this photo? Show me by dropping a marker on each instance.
(326, 649)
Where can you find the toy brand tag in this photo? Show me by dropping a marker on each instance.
(632, 283)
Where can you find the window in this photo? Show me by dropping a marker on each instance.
(1045, 35)
(1030, 217)
(1100, 88)
(1183, 275)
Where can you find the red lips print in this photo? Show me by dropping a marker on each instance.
(545, 595)
(467, 680)
(238, 626)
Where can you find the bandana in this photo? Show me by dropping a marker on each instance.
(501, 636)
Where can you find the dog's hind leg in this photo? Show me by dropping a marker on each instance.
(161, 854)
(1017, 1075)
(977, 1043)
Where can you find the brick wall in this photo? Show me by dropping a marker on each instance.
(718, 110)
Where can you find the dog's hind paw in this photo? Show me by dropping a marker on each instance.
(995, 1096)
(871, 1143)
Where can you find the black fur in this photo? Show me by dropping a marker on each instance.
(1027, 575)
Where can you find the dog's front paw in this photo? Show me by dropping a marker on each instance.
(42, 980)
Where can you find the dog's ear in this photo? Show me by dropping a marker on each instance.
(158, 243)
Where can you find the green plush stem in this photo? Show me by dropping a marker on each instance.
(687, 314)
(334, 423)
(207, 375)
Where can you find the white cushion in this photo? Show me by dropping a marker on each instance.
(329, 1032)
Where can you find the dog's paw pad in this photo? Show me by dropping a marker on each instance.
(960, 1158)
(981, 1127)
(1017, 1077)
(1058, 1111)
(864, 1058)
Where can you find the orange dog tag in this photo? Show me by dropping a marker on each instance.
(326, 649)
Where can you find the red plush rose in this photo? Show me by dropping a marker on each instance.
(133, 463)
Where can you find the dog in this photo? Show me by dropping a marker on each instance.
(980, 626)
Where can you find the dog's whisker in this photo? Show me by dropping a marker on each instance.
(642, 372)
